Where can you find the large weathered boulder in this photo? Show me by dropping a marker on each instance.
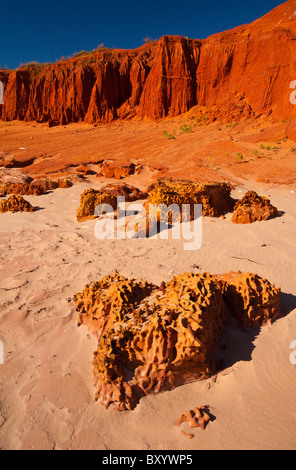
(154, 338)
(151, 339)
(215, 198)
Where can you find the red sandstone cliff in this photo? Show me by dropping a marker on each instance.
(240, 73)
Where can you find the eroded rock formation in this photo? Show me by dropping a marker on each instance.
(236, 74)
(15, 204)
(34, 188)
(129, 192)
(198, 417)
(154, 338)
(91, 198)
(215, 198)
(253, 300)
(252, 208)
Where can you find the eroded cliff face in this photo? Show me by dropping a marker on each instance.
(237, 74)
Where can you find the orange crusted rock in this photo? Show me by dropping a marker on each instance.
(48, 184)
(109, 301)
(24, 189)
(84, 170)
(117, 172)
(154, 338)
(13, 175)
(90, 199)
(64, 183)
(131, 193)
(15, 204)
(198, 417)
(253, 300)
(215, 197)
(253, 208)
(27, 187)
(151, 339)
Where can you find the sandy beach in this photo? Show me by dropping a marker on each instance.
(47, 390)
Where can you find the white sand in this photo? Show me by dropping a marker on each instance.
(47, 392)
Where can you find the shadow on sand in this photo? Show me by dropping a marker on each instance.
(238, 344)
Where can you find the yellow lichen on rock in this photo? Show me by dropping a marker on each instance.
(154, 338)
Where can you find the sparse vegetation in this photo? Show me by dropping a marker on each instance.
(279, 141)
(148, 40)
(259, 154)
(169, 136)
(80, 54)
(185, 128)
(33, 67)
(187, 41)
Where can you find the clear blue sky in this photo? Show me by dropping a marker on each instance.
(44, 31)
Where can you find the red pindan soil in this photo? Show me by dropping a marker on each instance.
(198, 109)
(213, 152)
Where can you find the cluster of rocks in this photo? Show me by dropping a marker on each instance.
(215, 199)
(14, 182)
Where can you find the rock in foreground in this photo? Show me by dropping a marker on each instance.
(154, 338)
